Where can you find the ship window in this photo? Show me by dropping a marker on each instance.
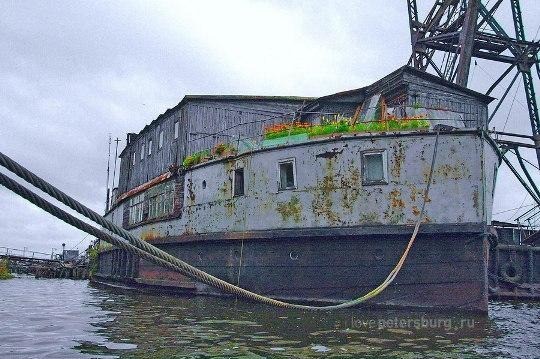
(160, 200)
(287, 177)
(160, 143)
(149, 147)
(176, 129)
(238, 182)
(142, 152)
(136, 207)
(374, 167)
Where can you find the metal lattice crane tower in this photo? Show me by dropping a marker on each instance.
(456, 28)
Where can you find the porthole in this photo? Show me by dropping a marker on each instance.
(293, 255)
(510, 272)
(204, 184)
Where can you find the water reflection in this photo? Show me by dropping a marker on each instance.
(57, 318)
(165, 327)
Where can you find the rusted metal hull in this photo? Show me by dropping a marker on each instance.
(333, 237)
(446, 269)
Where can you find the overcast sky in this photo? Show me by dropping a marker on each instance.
(72, 72)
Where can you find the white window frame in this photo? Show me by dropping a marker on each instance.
(161, 139)
(150, 147)
(282, 161)
(143, 148)
(176, 129)
(384, 155)
(133, 158)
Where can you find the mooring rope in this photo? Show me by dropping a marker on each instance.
(149, 252)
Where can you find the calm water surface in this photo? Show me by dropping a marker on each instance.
(59, 318)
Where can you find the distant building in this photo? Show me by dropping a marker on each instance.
(70, 255)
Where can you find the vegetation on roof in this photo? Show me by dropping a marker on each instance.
(344, 125)
(218, 151)
(328, 127)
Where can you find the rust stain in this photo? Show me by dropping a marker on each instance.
(475, 201)
(322, 201)
(425, 174)
(230, 207)
(451, 172)
(191, 193)
(150, 235)
(290, 210)
(399, 159)
(414, 192)
(223, 190)
(370, 218)
(350, 190)
(454, 172)
(144, 186)
(228, 165)
(416, 212)
(395, 213)
(395, 199)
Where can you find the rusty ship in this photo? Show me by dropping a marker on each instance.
(314, 199)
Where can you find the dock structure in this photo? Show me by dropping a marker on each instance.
(513, 270)
(43, 265)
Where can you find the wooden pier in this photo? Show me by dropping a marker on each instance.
(43, 265)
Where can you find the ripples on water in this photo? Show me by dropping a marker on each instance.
(58, 318)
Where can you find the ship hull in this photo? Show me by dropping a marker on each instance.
(446, 268)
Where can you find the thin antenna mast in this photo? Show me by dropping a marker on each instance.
(108, 175)
(115, 161)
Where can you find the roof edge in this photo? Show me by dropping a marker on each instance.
(409, 69)
(188, 98)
